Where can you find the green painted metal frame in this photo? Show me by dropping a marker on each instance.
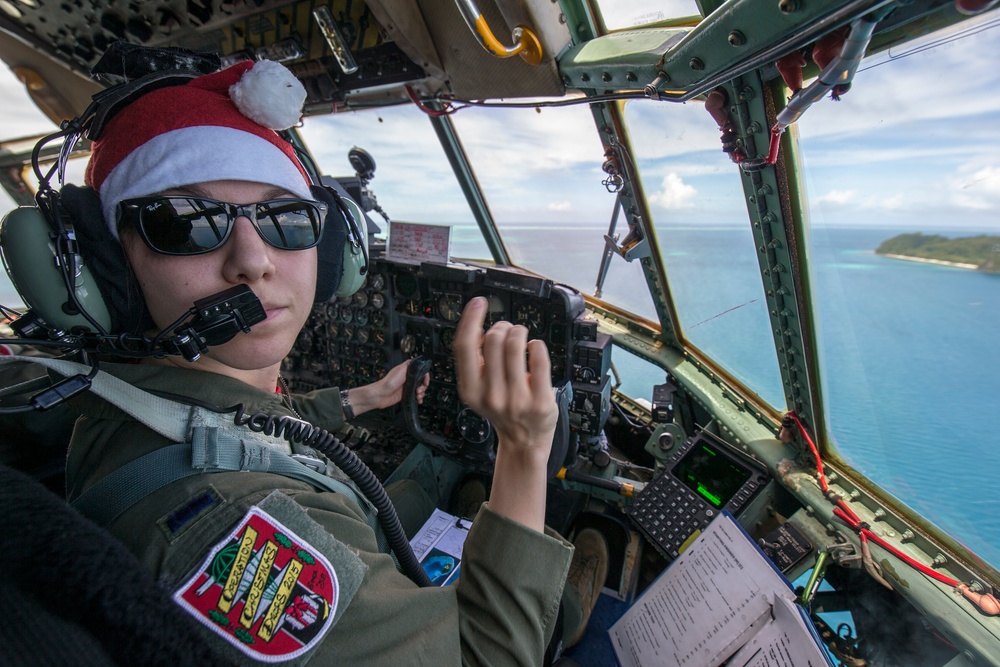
(741, 36)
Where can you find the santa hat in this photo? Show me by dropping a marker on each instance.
(219, 126)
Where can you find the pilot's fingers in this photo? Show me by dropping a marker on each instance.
(495, 391)
(515, 363)
(468, 346)
(540, 367)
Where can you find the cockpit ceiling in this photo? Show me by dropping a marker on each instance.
(394, 42)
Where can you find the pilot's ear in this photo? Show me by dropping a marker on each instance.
(107, 261)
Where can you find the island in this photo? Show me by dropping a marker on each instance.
(981, 253)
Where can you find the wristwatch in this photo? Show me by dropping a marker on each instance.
(345, 403)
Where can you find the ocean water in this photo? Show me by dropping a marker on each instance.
(910, 361)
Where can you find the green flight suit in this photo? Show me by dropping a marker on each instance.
(502, 611)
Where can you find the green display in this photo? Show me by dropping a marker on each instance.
(713, 476)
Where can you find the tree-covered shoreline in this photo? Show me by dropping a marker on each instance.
(983, 251)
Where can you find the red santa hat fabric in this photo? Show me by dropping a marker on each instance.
(220, 126)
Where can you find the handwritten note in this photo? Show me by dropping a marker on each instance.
(415, 243)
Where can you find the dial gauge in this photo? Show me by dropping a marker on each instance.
(361, 317)
(360, 299)
(346, 314)
(406, 285)
(530, 315)
(378, 282)
(449, 307)
(363, 334)
(377, 300)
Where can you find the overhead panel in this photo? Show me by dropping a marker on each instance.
(77, 32)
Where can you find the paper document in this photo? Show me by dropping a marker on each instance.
(707, 605)
(779, 643)
(438, 546)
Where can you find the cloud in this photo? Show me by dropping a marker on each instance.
(674, 193)
(976, 188)
(892, 203)
(838, 197)
(564, 205)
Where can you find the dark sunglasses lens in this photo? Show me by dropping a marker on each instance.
(290, 224)
(184, 226)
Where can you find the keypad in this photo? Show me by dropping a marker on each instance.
(667, 512)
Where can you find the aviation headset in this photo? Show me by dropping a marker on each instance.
(50, 249)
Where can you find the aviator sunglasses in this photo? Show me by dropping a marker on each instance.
(186, 225)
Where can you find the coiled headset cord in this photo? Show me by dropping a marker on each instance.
(298, 431)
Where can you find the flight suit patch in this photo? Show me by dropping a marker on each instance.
(264, 590)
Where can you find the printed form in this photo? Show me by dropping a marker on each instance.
(706, 606)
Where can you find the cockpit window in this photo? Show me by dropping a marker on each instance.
(903, 180)
(413, 181)
(541, 172)
(696, 201)
(624, 14)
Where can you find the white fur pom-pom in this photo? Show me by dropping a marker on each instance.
(270, 95)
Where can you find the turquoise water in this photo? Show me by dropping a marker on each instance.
(909, 352)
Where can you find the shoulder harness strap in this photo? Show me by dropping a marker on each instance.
(210, 443)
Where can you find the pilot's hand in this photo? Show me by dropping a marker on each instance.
(385, 392)
(516, 396)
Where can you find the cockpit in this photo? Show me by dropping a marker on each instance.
(760, 240)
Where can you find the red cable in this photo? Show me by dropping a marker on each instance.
(772, 153)
(812, 445)
(847, 515)
(906, 559)
(423, 107)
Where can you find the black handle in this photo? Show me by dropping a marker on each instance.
(559, 455)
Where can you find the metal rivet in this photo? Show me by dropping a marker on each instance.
(606, 77)
(787, 6)
(584, 77)
(630, 76)
(696, 64)
(736, 38)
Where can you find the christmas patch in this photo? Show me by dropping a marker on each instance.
(265, 590)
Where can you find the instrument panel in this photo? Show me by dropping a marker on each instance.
(411, 310)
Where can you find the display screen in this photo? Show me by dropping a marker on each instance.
(712, 475)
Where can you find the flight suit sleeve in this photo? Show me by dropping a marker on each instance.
(321, 408)
(501, 612)
(511, 582)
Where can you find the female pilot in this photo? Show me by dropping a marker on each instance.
(273, 569)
